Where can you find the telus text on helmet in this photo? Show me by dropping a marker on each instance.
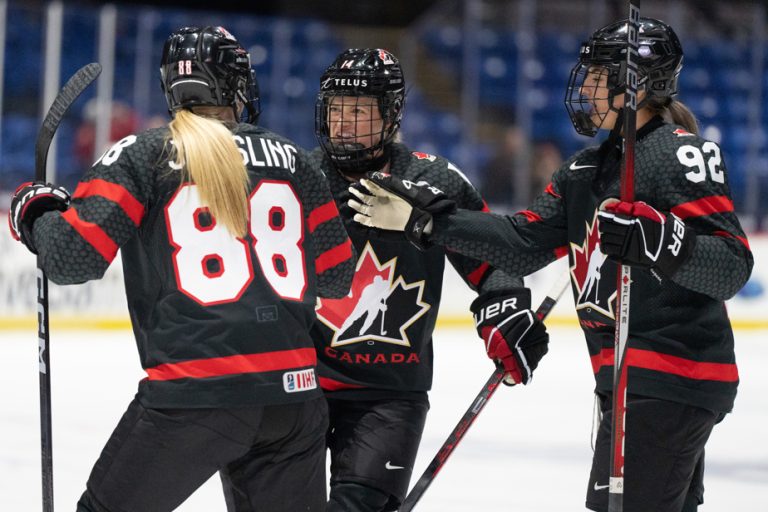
(345, 82)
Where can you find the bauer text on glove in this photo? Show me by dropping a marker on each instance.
(513, 334)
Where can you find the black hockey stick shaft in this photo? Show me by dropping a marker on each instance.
(480, 401)
(68, 94)
(623, 275)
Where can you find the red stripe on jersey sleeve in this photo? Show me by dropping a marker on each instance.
(322, 214)
(476, 275)
(550, 189)
(232, 365)
(703, 206)
(485, 207)
(531, 216)
(561, 251)
(114, 192)
(93, 234)
(335, 385)
(333, 257)
(726, 234)
(665, 363)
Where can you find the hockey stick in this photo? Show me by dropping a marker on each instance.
(480, 401)
(383, 313)
(623, 275)
(68, 94)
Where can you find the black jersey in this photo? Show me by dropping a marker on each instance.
(680, 345)
(377, 341)
(219, 320)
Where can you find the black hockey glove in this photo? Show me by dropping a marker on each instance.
(514, 336)
(386, 202)
(29, 202)
(638, 235)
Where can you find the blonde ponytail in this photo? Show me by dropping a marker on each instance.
(206, 152)
(676, 112)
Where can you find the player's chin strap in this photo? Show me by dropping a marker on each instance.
(359, 167)
(252, 115)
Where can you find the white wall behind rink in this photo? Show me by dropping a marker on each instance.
(101, 304)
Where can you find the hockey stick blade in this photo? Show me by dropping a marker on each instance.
(66, 97)
(480, 401)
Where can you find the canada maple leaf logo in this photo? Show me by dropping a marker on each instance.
(596, 291)
(682, 133)
(365, 313)
(424, 156)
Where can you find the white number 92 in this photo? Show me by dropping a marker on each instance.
(691, 156)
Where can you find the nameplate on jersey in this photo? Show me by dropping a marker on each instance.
(300, 380)
(260, 152)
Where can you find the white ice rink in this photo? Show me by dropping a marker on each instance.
(529, 450)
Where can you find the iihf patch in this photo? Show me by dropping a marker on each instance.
(300, 380)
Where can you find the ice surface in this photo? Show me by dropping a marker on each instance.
(529, 450)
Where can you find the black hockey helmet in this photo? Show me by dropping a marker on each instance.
(208, 67)
(659, 60)
(366, 72)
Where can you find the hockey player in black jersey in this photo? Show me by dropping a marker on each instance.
(681, 235)
(227, 236)
(375, 345)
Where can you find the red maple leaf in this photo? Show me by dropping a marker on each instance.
(581, 254)
(335, 311)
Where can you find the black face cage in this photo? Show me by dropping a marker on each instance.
(579, 105)
(348, 155)
(659, 65)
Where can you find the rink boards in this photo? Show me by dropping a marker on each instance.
(102, 304)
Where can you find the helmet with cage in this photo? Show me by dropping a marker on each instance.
(208, 67)
(359, 108)
(604, 58)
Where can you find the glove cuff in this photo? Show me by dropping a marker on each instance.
(415, 229)
(687, 244)
(421, 218)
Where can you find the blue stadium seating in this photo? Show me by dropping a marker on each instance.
(289, 56)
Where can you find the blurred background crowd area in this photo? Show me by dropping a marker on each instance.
(486, 78)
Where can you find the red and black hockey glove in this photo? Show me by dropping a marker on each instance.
(514, 336)
(638, 235)
(29, 202)
(386, 202)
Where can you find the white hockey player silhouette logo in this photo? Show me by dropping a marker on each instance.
(591, 288)
(373, 300)
(380, 306)
(595, 293)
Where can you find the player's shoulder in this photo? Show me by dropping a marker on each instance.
(265, 133)
(581, 161)
(421, 166)
(149, 138)
(317, 157)
(137, 150)
(673, 136)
